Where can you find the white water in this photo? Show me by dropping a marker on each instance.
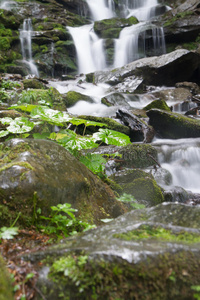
(90, 49)
(182, 159)
(26, 46)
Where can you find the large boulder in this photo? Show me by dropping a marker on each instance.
(39, 174)
(173, 125)
(167, 69)
(137, 256)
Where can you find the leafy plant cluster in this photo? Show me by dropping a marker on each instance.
(67, 138)
(61, 223)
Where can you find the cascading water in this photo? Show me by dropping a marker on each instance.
(25, 39)
(91, 56)
(182, 159)
(131, 43)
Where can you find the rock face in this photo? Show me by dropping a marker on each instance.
(136, 256)
(172, 125)
(44, 172)
(180, 65)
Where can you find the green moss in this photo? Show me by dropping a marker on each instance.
(21, 163)
(159, 233)
(4, 43)
(72, 97)
(5, 282)
(160, 104)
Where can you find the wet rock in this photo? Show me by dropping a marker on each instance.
(162, 176)
(178, 94)
(139, 131)
(115, 99)
(167, 69)
(191, 86)
(6, 289)
(176, 194)
(173, 125)
(44, 172)
(137, 249)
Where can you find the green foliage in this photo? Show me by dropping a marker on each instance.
(111, 137)
(129, 199)
(196, 288)
(73, 142)
(17, 125)
(62, 222)
(9, 85)
(8, 232)
(73, 268)
(94, 162)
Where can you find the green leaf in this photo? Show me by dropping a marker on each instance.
(8, 232)
(6, 120)
(94, 162)
(111, 137)
(4, 133)
(71, 141)
(106, 220)
(50, 115)
(42, 136)
(26, 107)
(20, 125)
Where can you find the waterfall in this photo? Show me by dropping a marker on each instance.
(26, 46)
(91, 56)
(131, 44)
(182, 159)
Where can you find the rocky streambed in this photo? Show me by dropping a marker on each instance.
(148, 253)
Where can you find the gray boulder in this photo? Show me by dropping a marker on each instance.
(167, 69)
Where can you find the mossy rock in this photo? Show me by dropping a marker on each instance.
(26, 185)
(72, 97)
(110, 28)
(6, 292)
(173, 125)
(138, 155)
(33, 84)
(145, 189)
(160, 104)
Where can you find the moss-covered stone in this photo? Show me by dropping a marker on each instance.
(160, 104)
(5, 282)
(26, 185)
(110, 28)
(138, 155)
(33, 84)
(72, 97)
(173, 125)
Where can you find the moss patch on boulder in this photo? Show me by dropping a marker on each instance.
(160, 104)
